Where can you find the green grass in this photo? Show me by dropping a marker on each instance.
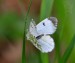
(68, 51)
(64, 13)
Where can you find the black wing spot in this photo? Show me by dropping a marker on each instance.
(38, 37)
(44, 24)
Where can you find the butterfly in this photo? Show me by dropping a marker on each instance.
(39, 34)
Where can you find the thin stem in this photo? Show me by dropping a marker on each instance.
(24, 37)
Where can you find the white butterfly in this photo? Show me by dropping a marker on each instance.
(39, 34)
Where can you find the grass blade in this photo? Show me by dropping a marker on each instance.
(44, 58)
(57, 47)
(46, 8)
(24, 37)
(60, 14)
(68, 51)
(66, 16)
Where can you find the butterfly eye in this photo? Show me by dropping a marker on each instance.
(44, 24)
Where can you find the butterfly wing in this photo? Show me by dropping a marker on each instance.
(46, 44)
(47, 26)
(31, 33)
(32, 28)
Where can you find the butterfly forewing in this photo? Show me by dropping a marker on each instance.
(54, 20)
(47, 26)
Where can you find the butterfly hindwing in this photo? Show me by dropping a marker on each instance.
(46, 43)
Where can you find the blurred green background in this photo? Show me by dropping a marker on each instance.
(12, 18)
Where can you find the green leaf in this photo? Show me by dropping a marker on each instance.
(68, 51)
(44, 58)
(61, 16)
(66, 21)
(46, 8)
